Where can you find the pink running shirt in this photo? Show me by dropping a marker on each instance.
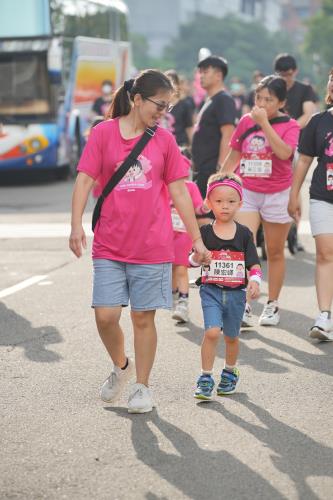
(281, 177)
(135, 222)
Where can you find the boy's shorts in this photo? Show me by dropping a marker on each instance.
(271, 207)
(145, 286)
(223, 308)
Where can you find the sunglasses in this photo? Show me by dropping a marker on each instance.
(161, 106)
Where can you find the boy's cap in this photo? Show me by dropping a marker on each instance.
(216, 62)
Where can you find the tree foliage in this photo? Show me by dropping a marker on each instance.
(246, 45)
(319, 37)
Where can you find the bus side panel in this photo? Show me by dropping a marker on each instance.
(28, 147)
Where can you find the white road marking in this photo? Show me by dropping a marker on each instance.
(22, 285)
(62, 230)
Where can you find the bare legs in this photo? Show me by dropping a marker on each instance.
(145, 338)
(209, 346)
(324, 271)
(180, 279)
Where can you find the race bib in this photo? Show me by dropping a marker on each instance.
(226, 268)
(177, 223)
(256, 165)
(329, 176)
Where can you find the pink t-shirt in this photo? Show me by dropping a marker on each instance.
(281, 176)
(135, 222)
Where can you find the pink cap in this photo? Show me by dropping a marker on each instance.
(226, 182)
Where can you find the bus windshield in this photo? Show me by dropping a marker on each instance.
(24, 87)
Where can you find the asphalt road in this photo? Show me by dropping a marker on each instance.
(271, 440)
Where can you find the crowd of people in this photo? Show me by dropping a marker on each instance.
(195, 181)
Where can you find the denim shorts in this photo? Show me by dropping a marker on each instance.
(145, 286)
(223, 308)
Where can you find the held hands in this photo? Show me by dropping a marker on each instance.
(77, 240)
(259, 115)
(201, 254)
(253, 289)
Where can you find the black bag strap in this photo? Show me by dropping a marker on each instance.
(255, 128)
(119, 174)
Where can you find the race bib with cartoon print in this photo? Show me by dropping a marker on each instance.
(226, 268)
(177, 223)
(256, 165)
(329, 176)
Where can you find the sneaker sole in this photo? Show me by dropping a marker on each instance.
(268, 323)
(220, 393)
(140, 410)
(201, 397)
(317, 333)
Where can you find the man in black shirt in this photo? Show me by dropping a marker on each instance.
(215, 121)
(301, 98)
(102, 104)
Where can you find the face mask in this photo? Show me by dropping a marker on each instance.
(106, 89)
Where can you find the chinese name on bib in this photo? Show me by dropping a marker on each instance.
(256, 164)
(226, 268)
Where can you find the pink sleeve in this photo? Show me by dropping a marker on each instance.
(91, 159)
(195, 194)
(239, 130)
(175, 167)
(291, 134)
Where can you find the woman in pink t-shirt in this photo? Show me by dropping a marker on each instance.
(262, 149)
(133, 239)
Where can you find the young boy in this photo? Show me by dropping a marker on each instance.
(222, 290)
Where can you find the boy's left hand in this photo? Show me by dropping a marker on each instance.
(253, 289)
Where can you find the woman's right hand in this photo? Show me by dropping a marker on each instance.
(294, 206)
(77, 240)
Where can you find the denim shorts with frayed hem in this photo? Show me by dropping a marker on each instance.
(223, 308)
(145, 286)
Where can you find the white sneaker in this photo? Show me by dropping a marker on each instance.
(140, 399)
(247, 320)
(270, 315)
(114, 385)
(323, 328)
(181, 311)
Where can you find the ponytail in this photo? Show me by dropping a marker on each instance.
(120, 105)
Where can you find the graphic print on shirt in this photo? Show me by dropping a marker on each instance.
(199, 116)
(256, 161)
(329, 164)
(138, 176)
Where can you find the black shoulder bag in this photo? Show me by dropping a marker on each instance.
(255, 128)
(119, 174)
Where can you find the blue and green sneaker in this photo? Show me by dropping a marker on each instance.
(228, 382)
(205, 386)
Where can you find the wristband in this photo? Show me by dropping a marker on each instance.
(192, 262)
(255, 275)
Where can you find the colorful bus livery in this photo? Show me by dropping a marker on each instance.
(31, 146)
(53, 59)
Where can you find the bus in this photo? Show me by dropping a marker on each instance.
(54, 57)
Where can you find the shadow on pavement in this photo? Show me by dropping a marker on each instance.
(16, 331)
(265, 360)
(198, 473)
(293, 452)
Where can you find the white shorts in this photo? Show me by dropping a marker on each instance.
(271, 207)
(321, 217)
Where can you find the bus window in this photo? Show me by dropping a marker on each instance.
(24, 88)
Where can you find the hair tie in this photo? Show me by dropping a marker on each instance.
(128, 84)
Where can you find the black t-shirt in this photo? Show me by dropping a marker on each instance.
(101, 106)
(183, 119)
(241, 242)
(217, 111)
(317, 140)
(296, 96)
